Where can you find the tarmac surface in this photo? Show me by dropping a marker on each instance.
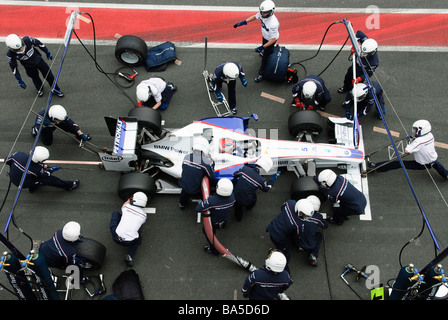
(171, 262)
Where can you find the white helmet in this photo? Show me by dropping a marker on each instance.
(421, 127)
(143, 92)
(304, 209)
(224, 187)
(201, 144)
(71, 231)
(309, 89)
(265, 162)
(368, 47)
(326, 178)
(15, 43)
(40, 154)
(276, 261)
(267, 6)
(361, 91)
(139, 199)
(231, 70)
(315, 201)
(57, 112)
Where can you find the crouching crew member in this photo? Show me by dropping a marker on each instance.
(346, 198)
(286, 224)
(56, 117)
(310, 94)
(38, 174)
(60, 251)
(125, 225)
(156, 92)
(365, 98)
(248, 181)
(267, 283)
(309, 238)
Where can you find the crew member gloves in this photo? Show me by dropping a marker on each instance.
(239, 24)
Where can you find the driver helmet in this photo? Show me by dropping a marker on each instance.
(421, 127)
(315, 201)
(15, 43)
(57, 113)
(40, 154)
(144, 92)
(276, 261)
(71, 231)
(304, 209)
(201, 144)
(327, 178)
(139, 199)
(226, 145)
(369, 47)
(231, 70)
(265, 162)
(268, 7)
(224, 187)
(360, 91)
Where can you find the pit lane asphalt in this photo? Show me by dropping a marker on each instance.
(171, 262)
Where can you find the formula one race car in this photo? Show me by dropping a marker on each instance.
(151, 156)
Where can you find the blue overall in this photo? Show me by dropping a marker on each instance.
(369, 63)
(351, 200)
(263, 284)
(58, 252)
(36, 175)
(285, 225)
(248, 181)
(46, 135)
(322, 96)
(219, 208)
(195, 166)
(32, 61)
(309, 238)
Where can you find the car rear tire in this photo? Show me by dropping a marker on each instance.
(304, 187)
(147, 118)
(306, 120)
(132, 182)
(91, 252)
(131, 51)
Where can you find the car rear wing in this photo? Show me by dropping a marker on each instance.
(125, 131)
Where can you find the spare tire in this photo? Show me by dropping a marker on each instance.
(131, 51)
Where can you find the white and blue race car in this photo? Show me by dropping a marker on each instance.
(151, 156)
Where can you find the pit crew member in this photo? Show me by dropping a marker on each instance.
(24, 50)
(56, 117)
